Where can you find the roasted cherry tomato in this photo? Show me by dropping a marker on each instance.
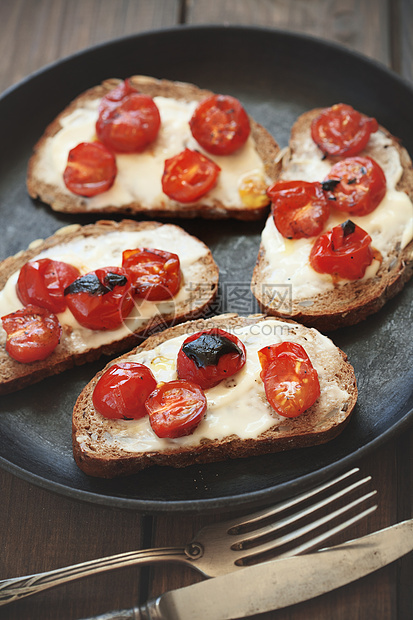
(252, 189)
(128, 121)
(188, 176)
(32, 333)
(122, 390)
(342, 131)
(176, 408)
(42, 282)
(208, 357)
(300, 209)
(290, 381)
(343, 251)
(115, 96)
(154, 274)
(100, 299)
(356, 184)
(220, 124)
(91, 169)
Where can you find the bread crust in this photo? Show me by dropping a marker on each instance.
(306, 430)
(266, 146)
(15, 375)
(352, 302)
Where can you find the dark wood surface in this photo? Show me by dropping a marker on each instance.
(40, 530)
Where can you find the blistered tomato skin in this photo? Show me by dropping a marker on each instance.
(110, 101)
(290, 381)
(100, 299)
(154, 274)
(344, 251)
(188, 176)
(299, 208)
(91, 169)
(122, 390)
(176, 408)
(271, 353)
(220, 125)
(342, 131)
(128, 124)
(42, 283)
(356, 185)
(33, 333)
(208, 357)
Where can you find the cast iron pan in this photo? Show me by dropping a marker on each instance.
(277, 76)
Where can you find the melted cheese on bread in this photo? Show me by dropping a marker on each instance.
(238, 405)
(139, 174)
(390, 225)
(89, 253)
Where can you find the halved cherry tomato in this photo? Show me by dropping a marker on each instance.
(220, 124)
(188, 176)
(122, 390)
(208, 357)
(356, 184)
(341, 130)
(91, 169)
(154, 274)
(343, 251)
(42, 282)
(290, 381)
(300, 209)
(33, 333)
(271, 353)
(128, 121)
(100, 299)
(176, 408)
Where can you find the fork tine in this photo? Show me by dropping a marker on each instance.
(253, 521)
(259, 549)
(291, 519)
(255, 537)
(315, 542)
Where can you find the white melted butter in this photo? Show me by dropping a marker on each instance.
(88, 254)
(139, 175)
(390, 225)
(238, 405)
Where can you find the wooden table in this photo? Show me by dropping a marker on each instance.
(40, 530)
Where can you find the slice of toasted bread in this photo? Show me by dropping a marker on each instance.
(137, 188)
(99, 245)
(298, 292)
(239, 421)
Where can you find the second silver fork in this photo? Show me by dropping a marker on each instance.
(224, 547)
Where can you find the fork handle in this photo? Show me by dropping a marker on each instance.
(20, 587)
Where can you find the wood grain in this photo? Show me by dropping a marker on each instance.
(403, 29)
(40, 531)
(40, 32)
(353, 23)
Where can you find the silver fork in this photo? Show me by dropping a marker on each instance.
(226, 546)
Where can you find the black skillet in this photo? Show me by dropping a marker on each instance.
(277, 76)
